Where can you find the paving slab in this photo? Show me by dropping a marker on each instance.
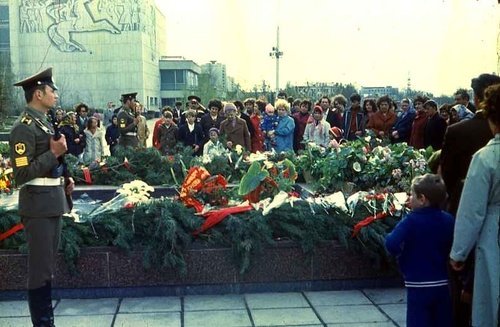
(214, 302)
(357, 324)
(397, 312)
(82, 307)
(350, 314)
(150, 304)
(337, 298)
(276, 300)
(226, 318)
(386, 296)
(14, 309)
(15, 321)
(84, 321)
(164, 319)
(284, 317)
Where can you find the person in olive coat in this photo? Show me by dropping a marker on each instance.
(127, 121)
(36, 159)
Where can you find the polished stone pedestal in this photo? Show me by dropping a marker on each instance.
(106, 271)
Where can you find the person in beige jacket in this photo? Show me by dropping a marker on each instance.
(142, 126)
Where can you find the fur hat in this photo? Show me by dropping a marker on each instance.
(229, 107)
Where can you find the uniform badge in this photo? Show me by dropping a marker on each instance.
(20, 148)
(122, 123)
(26, 120)
(21, 161)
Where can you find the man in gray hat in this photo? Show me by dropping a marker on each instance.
(128, 120)
(36, 160)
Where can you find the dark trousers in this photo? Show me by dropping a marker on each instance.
(429, 307)
(462, 281)
(42, 236)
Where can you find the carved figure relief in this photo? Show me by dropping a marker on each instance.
(74, 16)
(68, 18)
(30, 16)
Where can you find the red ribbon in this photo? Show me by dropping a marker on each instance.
(370, 219)
(86, 175)
(215, 217)
(11, 231)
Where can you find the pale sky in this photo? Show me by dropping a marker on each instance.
(441, 44)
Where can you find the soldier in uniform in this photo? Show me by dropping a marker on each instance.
(37, 162)
(127, 121)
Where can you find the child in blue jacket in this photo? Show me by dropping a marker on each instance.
(422, 242)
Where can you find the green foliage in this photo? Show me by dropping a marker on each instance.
(8, 220)
(163, 228)
(368, 164)
(4, 149)
(169, 235)
(252, 178)
(247, 234)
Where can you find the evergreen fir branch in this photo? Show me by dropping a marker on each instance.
(8, 220)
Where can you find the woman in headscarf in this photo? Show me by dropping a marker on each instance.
(75, 139)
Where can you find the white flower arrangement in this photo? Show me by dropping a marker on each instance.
(136, 191)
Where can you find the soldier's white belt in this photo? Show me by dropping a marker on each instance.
(131, 134)
(46, 181)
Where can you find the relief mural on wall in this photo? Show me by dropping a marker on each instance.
(70, 17)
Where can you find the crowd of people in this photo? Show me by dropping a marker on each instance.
(450, 259)
(455, 212)
(256, 125)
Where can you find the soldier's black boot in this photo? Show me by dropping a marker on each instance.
(40, 304)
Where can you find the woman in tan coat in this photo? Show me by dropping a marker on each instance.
(235, 129)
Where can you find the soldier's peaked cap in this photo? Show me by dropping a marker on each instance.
(194, 97)
(128, 96)
(41, 78)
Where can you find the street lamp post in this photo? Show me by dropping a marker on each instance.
(277, 54)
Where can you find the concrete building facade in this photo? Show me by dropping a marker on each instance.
(99, 49)
(378, 91)
(178, 79)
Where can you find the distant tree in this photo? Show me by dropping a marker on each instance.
(207, 89)
(7, 98)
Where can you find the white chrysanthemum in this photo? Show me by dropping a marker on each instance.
(239, 149)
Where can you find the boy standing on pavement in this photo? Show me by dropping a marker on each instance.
(421, 242)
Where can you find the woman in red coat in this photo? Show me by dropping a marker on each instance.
(382, 121)
(417, 129)
(258, 137)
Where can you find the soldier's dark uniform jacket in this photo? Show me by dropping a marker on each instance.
(31, 158)
(128, 130)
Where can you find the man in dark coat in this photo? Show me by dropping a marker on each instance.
(331, 115)
(191, 133)
(435, 127)
(36, 160)
(353, 121)
(461, 141)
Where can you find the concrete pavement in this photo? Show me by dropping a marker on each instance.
(354, 308)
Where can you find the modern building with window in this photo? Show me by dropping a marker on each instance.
(4, 26)
(178, 79)
(378, 91)
(216, 73)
